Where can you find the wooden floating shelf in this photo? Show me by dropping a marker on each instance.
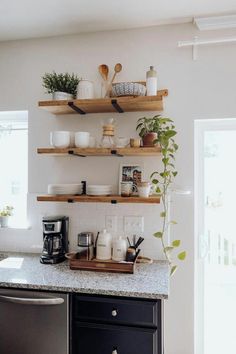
(113, 199)
(106, 105)
(147, 151)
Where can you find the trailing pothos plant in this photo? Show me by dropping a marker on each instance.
(162, 182)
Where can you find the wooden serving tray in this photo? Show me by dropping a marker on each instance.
(102, 266)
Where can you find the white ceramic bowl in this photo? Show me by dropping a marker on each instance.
(82, 139)
(60, 139)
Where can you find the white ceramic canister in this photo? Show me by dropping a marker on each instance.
(119, 250)
(103, 244)
(85, 89)
(82, 139)
(151, 82)
(60, 96)
(60, 139)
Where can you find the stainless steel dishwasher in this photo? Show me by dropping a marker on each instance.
(33, 322)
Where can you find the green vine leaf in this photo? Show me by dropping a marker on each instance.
(158, 234)
(163, 214)
(182, 256)
(173, 269)
(173, 222)
(176, 243)
(158, 190)
(155, 181)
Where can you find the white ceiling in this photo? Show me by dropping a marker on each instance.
(42, 18)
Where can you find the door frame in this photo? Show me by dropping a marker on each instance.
(200, 127)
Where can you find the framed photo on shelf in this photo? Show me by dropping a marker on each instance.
(131, 173)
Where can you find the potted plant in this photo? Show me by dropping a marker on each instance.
(62, 86)
(148, 129)
(162, 182)
(4, 215)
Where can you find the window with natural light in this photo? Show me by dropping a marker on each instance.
(14, 165)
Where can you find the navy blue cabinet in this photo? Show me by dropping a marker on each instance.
(116, 325)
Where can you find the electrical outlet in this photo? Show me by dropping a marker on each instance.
(133, 224)
(111, 223)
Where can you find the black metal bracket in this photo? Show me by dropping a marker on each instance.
(114, 152)
(84, 187)
(113, 201)
(71, 152)
(70, 200)
(117, 106)
(75, 108)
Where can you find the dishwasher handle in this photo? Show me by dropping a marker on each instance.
(32, 301)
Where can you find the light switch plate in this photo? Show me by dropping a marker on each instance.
(133, 224)
(111, 223)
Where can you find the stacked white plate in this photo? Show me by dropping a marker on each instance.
(99, 189)
(65, 188)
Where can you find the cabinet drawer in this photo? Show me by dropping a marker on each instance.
(141, 313)
(109, 339)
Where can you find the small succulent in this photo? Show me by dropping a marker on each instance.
(6, 211)
(61, 82)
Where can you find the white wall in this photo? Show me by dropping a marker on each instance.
(201, 89)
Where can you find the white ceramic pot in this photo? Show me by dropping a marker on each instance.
(60, 139)
(58, 96)
(85, 89)
(82, 139)
(4, 221)
(144, 189)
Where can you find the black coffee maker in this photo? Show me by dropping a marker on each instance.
(55, 239)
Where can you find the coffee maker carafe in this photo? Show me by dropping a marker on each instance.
(55, 239)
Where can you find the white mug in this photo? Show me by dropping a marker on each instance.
(85, 89)
(60, 139)
(82, 139)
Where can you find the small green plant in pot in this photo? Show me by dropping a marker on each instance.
(148, 129)
(4, 215)
(162, 182)
(61, 86)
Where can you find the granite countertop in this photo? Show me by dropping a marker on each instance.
(24, 271)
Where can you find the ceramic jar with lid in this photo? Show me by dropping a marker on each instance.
(119, 249)
(103, 245)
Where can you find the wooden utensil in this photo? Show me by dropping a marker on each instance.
(104, 71)
(117, 69)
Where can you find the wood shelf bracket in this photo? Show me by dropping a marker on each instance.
(117, 106)
(75, 108)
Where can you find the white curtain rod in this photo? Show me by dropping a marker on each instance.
(206, 41)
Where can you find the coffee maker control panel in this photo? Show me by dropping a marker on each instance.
(52, 227)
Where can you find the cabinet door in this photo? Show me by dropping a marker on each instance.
(108, 339)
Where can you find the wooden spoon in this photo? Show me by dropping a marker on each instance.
(117, 69)
(104, 71)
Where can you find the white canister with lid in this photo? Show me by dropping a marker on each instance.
(103, 245)
(85, 89)
(119, 250)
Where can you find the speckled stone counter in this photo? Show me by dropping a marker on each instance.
(24, 271)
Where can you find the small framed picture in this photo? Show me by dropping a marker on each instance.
(130, 173)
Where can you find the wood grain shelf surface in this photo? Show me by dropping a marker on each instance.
(106, 105)
(113, 199)
(147, 151)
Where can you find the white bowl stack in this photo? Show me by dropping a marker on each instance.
(99, 189)
(65, 189)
